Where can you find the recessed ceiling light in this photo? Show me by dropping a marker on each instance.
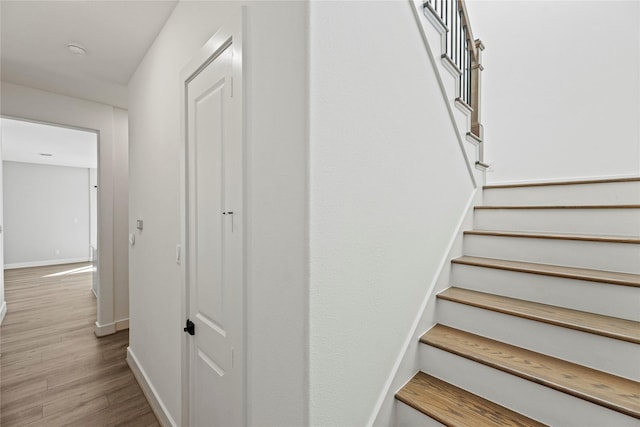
(46, 154)
(77, 49)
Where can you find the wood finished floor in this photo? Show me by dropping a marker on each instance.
(53, 369)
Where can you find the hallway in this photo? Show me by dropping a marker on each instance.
(53, 370)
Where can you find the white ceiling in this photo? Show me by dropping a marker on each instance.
(116, 34)
(26, 141)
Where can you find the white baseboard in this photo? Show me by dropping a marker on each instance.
(149, 391)
(44, 263)
(111, 328)
(3, 311)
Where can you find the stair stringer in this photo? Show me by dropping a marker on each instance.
(433, 35)
(409, 361)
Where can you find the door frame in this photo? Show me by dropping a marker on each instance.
(99, 300)
(230, 35)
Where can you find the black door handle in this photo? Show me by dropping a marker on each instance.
(190, 328)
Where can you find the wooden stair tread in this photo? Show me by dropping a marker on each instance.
(553, 183)
(556, 236)
(454, 406)
(612, 327)
(611, 277)
(486, 207)
(613, 392)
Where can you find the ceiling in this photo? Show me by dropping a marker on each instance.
(26, 142)
(116, 34)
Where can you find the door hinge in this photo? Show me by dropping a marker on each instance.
(190, 328)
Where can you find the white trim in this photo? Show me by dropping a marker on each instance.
(463, 106)
(432, 16)
(412, 336)
(3, 311)
(437, 23)
(232, 32)
(443, 90)
(45, 263)
(149, 391)
(101, 206)
(111, 328)
(474, 139)
(451, 66)
(483, 166)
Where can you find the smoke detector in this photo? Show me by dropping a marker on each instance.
(77, 49)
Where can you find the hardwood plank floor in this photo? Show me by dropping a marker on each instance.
(53, 369)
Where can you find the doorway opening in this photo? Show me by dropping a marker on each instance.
(50, 188)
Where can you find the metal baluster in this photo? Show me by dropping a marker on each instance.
(454, 30)
(460, 41)
(447, 39)
(465, 65)
(469, 64)
(458, 34)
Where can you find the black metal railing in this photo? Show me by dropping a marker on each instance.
(462, 51)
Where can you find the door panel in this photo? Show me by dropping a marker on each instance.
(214, 256)
(208, 203)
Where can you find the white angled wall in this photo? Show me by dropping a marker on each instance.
(561, 93)
(46, 214)
(388, 187)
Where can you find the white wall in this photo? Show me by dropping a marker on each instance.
(561, 93)
(3, 304)
(46, 214)
(93, 207)
(276, 166)
(388, 186)
(32, 104)
(120, 176)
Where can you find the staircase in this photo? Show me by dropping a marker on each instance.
(542, 316)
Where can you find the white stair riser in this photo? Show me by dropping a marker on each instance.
(617, 193)
(595, 297)
(622, 257)
(604, 354)
(406, 416)
(614, 222)
(542, 403)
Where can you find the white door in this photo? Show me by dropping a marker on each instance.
(214, 245)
